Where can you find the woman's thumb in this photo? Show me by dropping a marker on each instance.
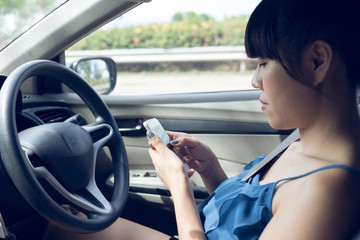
(154, 140)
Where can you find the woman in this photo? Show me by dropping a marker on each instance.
(307, 73)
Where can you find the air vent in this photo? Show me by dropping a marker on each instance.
(53, 115)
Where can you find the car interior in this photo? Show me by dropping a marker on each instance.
(52, 120)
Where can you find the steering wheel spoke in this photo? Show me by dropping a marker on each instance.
(89, 199)
(33, 159)
(100, 134)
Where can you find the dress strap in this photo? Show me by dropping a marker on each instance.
(350, 169)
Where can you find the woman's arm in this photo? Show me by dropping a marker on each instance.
(172, 173)
(200, 158)
(187, 217)
(213, 176)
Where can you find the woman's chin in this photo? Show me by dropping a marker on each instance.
(280, 125)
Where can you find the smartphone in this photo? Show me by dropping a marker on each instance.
(154, 125)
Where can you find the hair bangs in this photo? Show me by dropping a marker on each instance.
(260, 40)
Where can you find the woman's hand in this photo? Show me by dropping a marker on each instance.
(167, 164)
(200, 158)
(196, 154)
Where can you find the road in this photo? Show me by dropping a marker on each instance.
(146, 83)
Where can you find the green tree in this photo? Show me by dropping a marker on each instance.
(186, 30)
(178, 17)
(192, 17)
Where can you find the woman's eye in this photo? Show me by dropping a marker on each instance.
(262, 65)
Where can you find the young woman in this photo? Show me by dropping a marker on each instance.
(307, 73)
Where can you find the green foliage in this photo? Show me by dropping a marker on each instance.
(186, 30)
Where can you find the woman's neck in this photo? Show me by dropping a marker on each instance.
(334, 135)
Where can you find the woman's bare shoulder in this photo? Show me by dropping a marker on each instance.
(325, 200)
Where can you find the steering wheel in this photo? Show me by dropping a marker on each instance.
(63, 154)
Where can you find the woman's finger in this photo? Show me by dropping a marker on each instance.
(155, 141)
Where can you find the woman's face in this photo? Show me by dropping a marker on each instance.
(286, 102)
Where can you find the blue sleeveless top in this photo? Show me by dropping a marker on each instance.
(241, 210)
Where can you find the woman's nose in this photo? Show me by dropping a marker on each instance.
(256, 81)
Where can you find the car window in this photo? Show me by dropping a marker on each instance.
(16, 16)
(175, 47)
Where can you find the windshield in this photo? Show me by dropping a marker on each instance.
(16, 16)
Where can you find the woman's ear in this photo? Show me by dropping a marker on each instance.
(317, 59)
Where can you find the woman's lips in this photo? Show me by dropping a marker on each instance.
(264, 105)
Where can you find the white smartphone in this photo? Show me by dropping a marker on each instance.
(155, 126)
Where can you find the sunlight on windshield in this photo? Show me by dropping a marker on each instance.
(16, 16)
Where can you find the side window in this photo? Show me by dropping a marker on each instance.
(175, 46)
